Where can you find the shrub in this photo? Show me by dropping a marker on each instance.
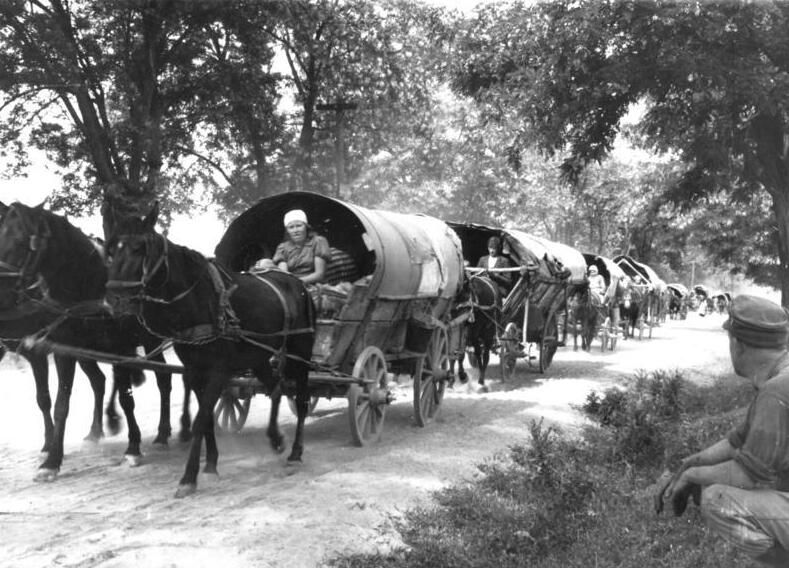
(578, 502)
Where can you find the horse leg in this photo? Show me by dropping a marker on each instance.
(484, 359)
(186, 420)
(113, 418)
(65, 368)
(462, 375)
(165, 384)
(123, 378)
(302, 409)
(275, 437)
(97, 382)
(205, 413)
(478, 356)
(40, 366)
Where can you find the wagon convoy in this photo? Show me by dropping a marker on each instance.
(403, 294)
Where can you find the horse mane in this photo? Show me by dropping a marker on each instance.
(75, 270)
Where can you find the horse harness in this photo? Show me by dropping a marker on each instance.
(227, 324)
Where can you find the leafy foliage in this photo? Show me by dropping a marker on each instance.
(561, 501)
(712, 78)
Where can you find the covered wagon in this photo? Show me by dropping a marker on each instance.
(544, 274)
(386, 306)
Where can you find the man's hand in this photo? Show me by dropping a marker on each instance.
(678, 491)
(669, 483)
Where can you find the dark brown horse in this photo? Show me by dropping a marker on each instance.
(221, 323)
(39, 249)
(483, 296)
(586, 316)
(631, 309)
(21, 316)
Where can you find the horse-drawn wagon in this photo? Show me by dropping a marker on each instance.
(679, 300)
(648, 291)
(533, 311)
(387, 306)
(601, 316)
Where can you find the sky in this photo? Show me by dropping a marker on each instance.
(200, 231)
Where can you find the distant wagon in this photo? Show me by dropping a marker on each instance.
(533, 313)
(653, 290)
(679, 300)
(615, 282)
(387, 305)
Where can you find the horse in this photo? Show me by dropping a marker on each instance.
(221, 324)
(42, 250)
(20, 319)
(586, 315)
(482, 326)
(630, 309)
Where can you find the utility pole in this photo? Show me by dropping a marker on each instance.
(339, 109)
(692, 274)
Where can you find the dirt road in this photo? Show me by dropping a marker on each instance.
(102, 513)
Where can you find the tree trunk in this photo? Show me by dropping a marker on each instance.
(781, 209)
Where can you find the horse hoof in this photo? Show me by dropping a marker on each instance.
(185, 490)
(483, 389)
(210, 469)
(94, 437)
(132, 461)
(46, 475)
(185, 436)
(160, 445)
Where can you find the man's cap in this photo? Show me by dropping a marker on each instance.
(294, 215)
(758, 322)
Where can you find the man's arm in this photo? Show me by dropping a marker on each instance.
(726, 473)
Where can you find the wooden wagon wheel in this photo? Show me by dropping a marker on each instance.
(430, 378)
(292, 405)
(232, 410)
(367, 402)
(548, 342)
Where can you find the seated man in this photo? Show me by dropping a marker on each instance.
(494, 260)
(596, 285)
(742, 481)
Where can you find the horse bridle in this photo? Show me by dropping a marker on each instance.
(149, 271)
(37, 246)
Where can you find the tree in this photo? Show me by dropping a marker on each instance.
(713, 77)
(113, 92)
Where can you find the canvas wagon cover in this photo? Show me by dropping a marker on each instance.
(408, 256)
(570, 258)
(633, 267)
(679, 290)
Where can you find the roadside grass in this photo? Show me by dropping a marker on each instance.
(585, 500)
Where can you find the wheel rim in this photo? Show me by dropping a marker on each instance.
(231, 412)
(367, 403)
(430, 378)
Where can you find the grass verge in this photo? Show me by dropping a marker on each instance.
(582, 501)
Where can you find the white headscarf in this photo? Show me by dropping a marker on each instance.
(294, 215)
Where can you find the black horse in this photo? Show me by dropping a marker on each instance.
(20, 317)
(43, 251)
(221, 324)
(484, 297)
(586, 317)
(630, 309)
